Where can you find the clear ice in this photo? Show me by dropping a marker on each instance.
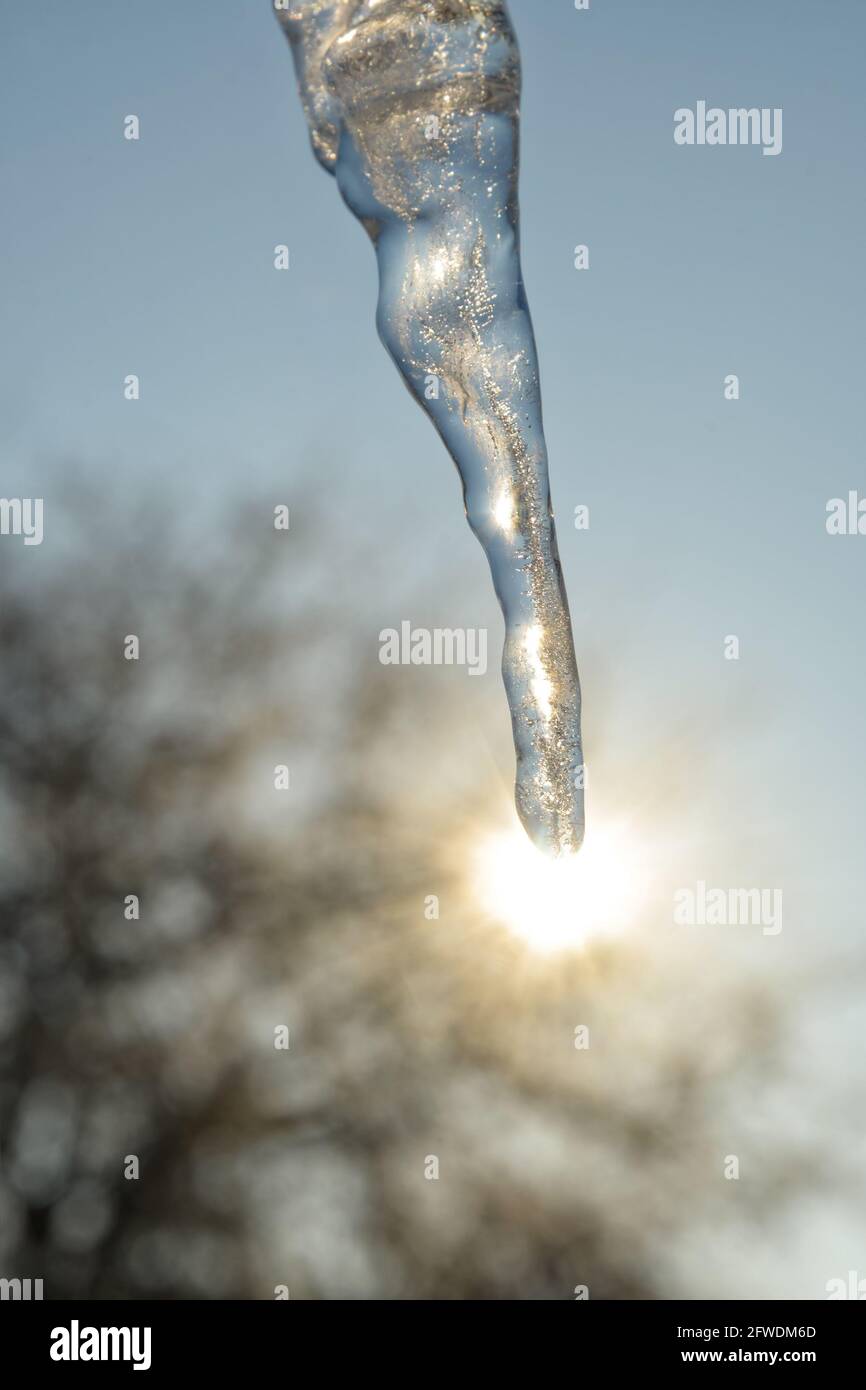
(414, 106)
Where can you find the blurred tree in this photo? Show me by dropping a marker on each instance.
(151, 1044)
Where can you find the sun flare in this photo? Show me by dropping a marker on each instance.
(565, 903)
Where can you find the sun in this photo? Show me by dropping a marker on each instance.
(565, 903)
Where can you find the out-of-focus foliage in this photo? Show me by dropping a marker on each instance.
(409, 1038)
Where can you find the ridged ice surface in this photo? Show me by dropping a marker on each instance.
(414, 105)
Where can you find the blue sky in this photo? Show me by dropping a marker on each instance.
(707, 516)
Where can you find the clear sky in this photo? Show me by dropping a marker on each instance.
(155, 257)
(707, 516)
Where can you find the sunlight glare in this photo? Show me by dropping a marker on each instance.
(561, 904)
